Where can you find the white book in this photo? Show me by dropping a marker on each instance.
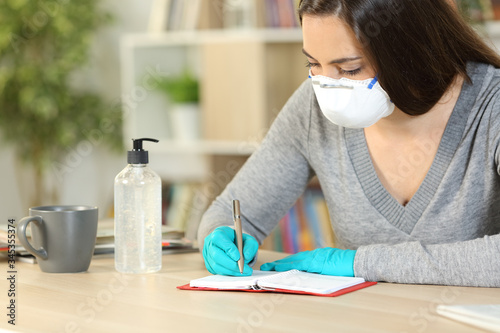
(192, 14)
(292, 280)
(159, 16)
(485, 316)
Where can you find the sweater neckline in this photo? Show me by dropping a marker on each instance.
(406, 217)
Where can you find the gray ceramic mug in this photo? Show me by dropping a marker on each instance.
(62, 237)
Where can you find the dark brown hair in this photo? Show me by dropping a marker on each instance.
(416, 46)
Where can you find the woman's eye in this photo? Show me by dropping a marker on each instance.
(351, 72)
(311, 64)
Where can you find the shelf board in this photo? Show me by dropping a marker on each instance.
(204, 147)
(196, 37)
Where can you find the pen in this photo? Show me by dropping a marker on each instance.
(238, 232)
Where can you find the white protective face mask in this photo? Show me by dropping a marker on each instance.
(351, 103)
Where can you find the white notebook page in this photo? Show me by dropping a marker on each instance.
(308, 282)
(230, 282)
(290, 280)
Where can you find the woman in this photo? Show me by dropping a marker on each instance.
(399, 121)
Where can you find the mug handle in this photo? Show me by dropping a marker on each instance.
(21, 233)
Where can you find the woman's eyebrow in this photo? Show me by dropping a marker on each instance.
(336, 61)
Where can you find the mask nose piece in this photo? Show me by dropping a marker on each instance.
(331, 85)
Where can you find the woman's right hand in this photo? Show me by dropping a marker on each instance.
(221, 254)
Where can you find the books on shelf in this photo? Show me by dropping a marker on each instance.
(173, 15)
(494, 7)
(293, 281)
(261, 14)
(182, 15)
(280, 13)
(158, 16)
(183, 205)
(305, 227)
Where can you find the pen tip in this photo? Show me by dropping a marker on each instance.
(240, 266)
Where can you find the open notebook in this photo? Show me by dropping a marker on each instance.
(293, 281)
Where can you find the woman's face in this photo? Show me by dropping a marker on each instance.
(332, 50)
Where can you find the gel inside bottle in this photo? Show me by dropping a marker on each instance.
(138, 214)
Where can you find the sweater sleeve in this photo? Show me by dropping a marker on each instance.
(472, 263)
(272, 179)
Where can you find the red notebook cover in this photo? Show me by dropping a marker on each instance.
(336, 293)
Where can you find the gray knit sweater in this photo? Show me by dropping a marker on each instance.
(449, 233)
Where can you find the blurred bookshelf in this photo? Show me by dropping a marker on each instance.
(305, 227)
(247, 58)
(179, 15)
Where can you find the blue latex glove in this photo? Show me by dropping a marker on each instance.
(327, 261)
(221, 254)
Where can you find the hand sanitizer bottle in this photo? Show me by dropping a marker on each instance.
(138, 214)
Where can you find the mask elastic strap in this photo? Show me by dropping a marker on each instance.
(375, 80)
(371, 84)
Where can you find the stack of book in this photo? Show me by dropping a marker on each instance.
(20, 252)
(173, 240)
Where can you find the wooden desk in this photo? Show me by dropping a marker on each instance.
(102, 300)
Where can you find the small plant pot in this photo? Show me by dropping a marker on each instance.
(185, 121)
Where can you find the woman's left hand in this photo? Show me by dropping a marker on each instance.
(327, 261)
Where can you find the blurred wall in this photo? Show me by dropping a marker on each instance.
(90, 179)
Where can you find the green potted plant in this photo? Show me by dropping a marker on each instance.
(182, 92)
(42, 114)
